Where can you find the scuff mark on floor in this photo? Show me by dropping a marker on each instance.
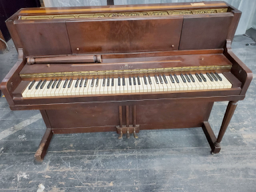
(41, 188)
(22, 137)
(22, 175)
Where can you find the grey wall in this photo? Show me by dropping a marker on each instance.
(248, 8)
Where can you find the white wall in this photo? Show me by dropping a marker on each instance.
(248, 8)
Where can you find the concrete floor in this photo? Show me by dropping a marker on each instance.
(162, 160)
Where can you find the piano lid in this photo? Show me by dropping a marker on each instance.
(123, 29)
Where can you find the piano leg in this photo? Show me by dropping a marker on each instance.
(213, 141)
(41, 151)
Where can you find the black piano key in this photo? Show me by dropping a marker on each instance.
(119, 81)
(160, 79)
(217, 75)
(191, 77)
(134, 81)
(176, 78)
(130, 81)
(138, 80)
(213, 76)
(92, 82)
(183, 78)
(149, 80)
(97, 82)
(77, 81)
(165, 80)
(81, 82)
(38, 84)
(85, 82)
(108, 82)
(58, 84)
(208, 75)
(42, 86)
(198, 77)
(156, 80)
(112, 84)
(171, 78)
(49, 84)
(145, 80)
(203, 77)
(103, 82)
(31, 85)
(65, 84)
(123, 81)
(54, 83)
(70, 83)
(188, 80)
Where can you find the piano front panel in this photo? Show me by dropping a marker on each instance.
(205, 32)
(48, 38)
(105, 117)
(84, 116)
(122, 36)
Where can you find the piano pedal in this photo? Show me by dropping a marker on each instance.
(128, 134)
(121, 135)
(127, 130)
(134, 134)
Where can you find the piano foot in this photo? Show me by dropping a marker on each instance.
(120, 135)
(211, 138)
(41, 151)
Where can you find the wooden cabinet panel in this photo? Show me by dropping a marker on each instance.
(44, 38)
(207, 32)
(125, 35)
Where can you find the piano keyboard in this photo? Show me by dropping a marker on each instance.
(132, 84)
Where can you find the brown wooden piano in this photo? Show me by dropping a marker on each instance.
(126, 68)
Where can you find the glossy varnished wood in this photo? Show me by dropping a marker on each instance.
(126, 43)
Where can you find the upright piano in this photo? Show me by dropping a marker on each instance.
(126, 68)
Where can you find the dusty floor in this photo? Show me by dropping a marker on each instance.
(162, 160)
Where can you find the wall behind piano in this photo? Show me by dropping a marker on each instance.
(248, 7)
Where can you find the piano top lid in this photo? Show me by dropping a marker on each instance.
(123, 29)
(144, 7)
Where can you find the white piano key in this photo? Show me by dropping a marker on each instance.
(177, 83)
(182, 85)
(195, 84)
(226, 83)
(97, 88)
(58, 91)
(128, 85)
(89, 88)
(133, 88)
(112, 85)
(86, 86)
(105, 88)
(157, 88)
(108, 85)
(72, 90)
(143, 85)
(40, 92)
(93, 86)
(32, 92)
(25, 92)
(172, 84)
(165, 85)
(151, 87)
(77, 89)
(139, 85)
